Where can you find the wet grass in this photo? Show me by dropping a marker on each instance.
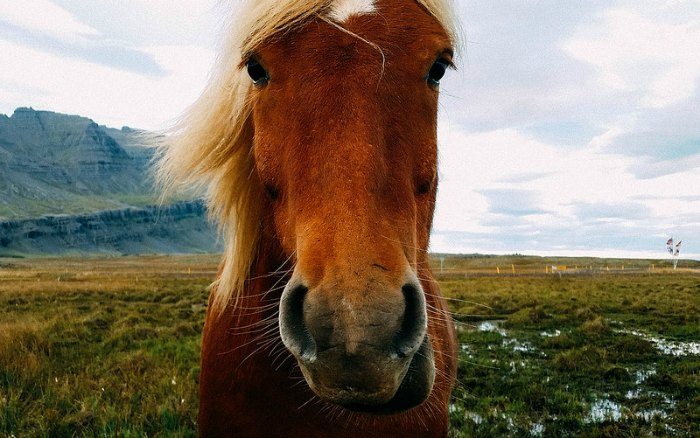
(578, 356)
(111, 347)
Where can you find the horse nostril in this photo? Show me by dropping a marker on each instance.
(415, 321)
(295, 335)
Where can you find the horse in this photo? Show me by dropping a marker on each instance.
(315, 147)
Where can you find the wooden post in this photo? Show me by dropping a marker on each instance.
(513, 268)
(498, 270)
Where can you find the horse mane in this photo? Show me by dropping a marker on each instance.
(210, 147)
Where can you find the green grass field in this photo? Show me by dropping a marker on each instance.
(111, 346)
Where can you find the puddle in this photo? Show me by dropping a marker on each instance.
(513, 365)
(516, 345)
(650, 414)
(603, 410)
(492, 326)
(466, 351)
(672, 348)
(640, 376)
(468, 415)
(474, 417)
(509, 420)
(607, 410)
(537, 429)
(633, 393)
(553, 334)
(511, 343)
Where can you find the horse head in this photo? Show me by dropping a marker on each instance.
(322, 137)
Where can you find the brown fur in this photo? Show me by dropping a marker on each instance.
(345, 133)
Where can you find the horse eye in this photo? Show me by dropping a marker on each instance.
(423, 188)
(272, 192)
(437, 72)
(257, 72)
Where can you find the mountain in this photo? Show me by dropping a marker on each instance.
(61, 174)
(55, 164)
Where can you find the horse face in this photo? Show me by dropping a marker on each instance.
(345, 146)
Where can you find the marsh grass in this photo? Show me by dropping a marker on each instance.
(101, 347)
(581, 376)
(111, 347)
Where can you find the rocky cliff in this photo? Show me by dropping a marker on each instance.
(177, 228)
(71, 186)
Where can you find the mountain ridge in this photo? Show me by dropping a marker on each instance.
(52, 163)
(64, 178)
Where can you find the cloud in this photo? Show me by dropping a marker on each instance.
(623, 210)
(153, 22)
(643, 50)
(513, 202)
(583, 198)
(139, 64)
(648, 169)
(43, 16)
(93, 50)
(111, 96)
(43, 25)
(524, 177)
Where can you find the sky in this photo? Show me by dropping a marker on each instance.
(570, 128)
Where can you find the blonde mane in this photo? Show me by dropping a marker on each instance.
(210, 148)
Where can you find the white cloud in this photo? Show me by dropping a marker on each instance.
(45, 17)
(642, 50)
(509, 186)
(108, 95)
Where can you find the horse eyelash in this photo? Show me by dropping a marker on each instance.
(246, 58)
(447, 55)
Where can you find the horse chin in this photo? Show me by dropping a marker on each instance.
(415, 387)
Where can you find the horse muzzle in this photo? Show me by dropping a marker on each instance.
(366, 350)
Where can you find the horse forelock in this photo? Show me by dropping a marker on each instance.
(209, 148)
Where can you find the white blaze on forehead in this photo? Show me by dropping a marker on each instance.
(344, 9)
